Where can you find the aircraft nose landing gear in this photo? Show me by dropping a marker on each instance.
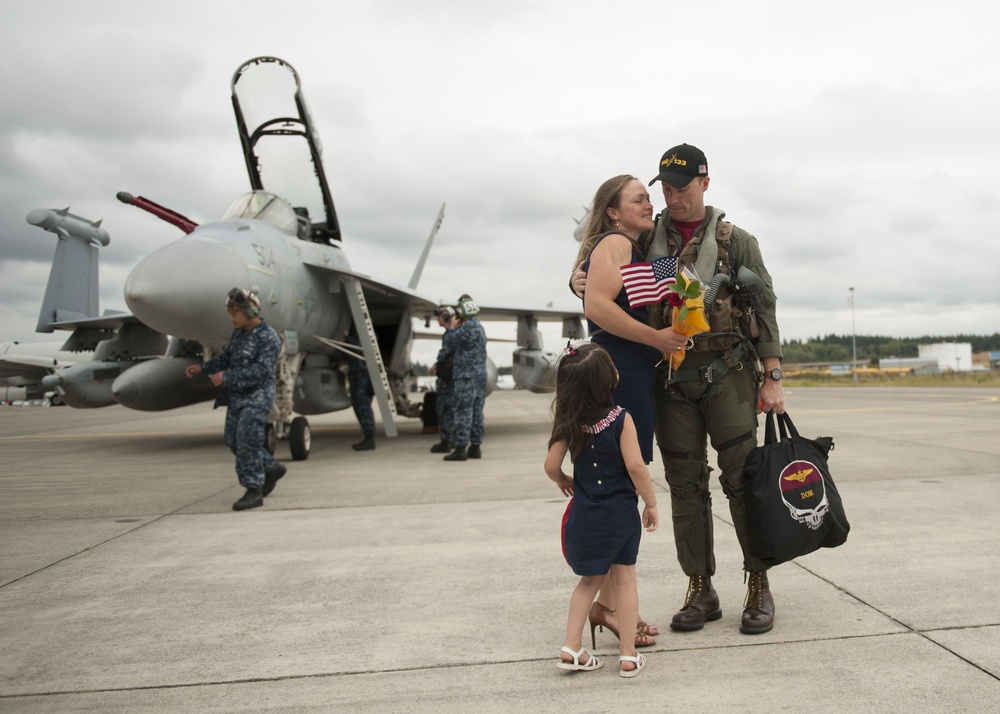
(299, 438)
(297, 433)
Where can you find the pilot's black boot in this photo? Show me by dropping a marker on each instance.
(251, 499)
(366, 444)
(475, 452)
(271, 477)
(459, 454)
(442, 447)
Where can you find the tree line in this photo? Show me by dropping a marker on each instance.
(837, 348)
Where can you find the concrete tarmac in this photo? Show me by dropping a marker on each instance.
(391, 581)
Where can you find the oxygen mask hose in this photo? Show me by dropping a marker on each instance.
(712, 292)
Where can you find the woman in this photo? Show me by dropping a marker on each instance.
(620, 213)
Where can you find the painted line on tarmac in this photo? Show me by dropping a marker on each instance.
(107, 435)
(128, 434)
(900, 408)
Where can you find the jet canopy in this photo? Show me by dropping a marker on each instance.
(267, 207)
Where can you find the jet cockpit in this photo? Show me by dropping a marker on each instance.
(266, 206)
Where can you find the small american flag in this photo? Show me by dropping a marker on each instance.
(648, 283)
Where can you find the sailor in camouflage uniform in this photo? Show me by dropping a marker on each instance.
(445, 397)
(360, 384)
(245, 373)
(469, 382)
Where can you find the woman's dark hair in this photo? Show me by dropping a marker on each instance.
(585, 381)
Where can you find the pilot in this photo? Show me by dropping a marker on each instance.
(468, 382)
(360, 384)
(245, 373)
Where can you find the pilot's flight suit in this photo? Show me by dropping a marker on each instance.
(711, 396)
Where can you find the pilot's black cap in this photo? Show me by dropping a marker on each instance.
(681, 164)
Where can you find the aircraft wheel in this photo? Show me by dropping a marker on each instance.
(270, 439)
(299, 439)
(56, 401)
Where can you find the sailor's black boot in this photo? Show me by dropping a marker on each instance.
(251, 499)
(459, 454)
(366, 444)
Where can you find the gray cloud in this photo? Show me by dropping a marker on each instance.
(859, 153)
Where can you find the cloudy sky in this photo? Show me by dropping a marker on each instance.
(857, 140)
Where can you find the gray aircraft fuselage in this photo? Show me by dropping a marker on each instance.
(181, 288)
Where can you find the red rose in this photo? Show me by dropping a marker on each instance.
(675, 299)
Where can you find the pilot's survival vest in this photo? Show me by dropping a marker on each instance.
(728, 322)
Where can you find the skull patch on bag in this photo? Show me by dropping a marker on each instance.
(804, 492)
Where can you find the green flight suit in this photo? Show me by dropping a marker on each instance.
(708, 399)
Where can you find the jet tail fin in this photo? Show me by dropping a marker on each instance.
(72, 291)
(419, 270)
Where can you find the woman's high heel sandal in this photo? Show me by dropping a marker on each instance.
(599, 618)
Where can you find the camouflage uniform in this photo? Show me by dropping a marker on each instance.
(712, 396)
(469, 382)
(446, 391)
(248, 365)
(360, 384)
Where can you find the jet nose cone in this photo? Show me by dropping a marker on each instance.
(181, 289)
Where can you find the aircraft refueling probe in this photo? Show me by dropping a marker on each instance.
(170, 216)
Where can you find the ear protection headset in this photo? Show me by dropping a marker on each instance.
(245, 301)
(467, 307)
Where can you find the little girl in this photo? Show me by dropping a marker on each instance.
(603, 528)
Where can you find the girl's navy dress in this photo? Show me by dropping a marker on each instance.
(603, 526)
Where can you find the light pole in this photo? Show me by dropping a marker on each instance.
(854, 343)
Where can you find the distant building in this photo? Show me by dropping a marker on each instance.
(950, 356)
(994, 359)
(839, 368)
(915, 365)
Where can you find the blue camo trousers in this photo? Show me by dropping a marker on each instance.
(360, 385)
(446, 410)
(468, 398)
(245, 428)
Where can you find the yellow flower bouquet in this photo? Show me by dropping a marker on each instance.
(687, 298)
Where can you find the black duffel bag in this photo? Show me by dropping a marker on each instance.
(793, 506)
(445, 369)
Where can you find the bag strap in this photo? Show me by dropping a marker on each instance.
(785, 428)
(769, 436)
(786, 421)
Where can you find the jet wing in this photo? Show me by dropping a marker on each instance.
(385, 297)
(27, 369)
(492, 313)
(385, 300)
(110, 320)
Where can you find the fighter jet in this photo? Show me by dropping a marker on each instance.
(286, 245)
(79, 372)
(23, 365)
